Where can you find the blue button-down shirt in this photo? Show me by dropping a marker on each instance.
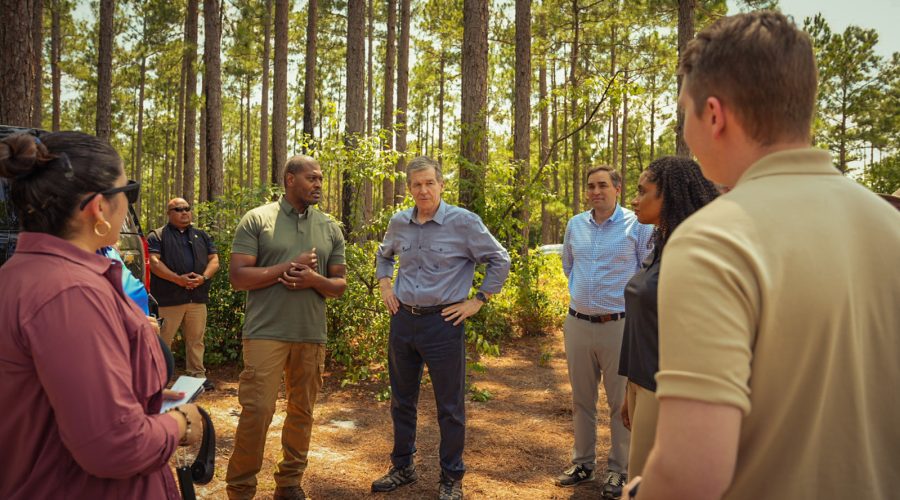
(599, 259)
(437, 258)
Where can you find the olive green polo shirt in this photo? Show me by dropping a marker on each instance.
(276, 233)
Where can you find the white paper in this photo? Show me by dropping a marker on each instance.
(190, 386)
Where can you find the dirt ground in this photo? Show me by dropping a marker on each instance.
(516, 442)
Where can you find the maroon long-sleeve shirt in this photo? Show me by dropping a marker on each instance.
(81, 372)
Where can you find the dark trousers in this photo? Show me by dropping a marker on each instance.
(416, 341)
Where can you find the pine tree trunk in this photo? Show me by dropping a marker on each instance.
(139, 155)
(279, 97)
(241, 144)
(387, 110)
(441, 98)
(16, 63)
(554, 155)
(190, 100)
(104, 70)
(614, 112)
(309, 84)
(576, 139)
(201, 153)
(473, 113)
(402, 99)
(370, 77)
(56, 77)
(264, 103)
(522, 136)
(546, 226)
(37, 112)
(355, 110)
(685, 34)
(250, 173)
(213, 81)
(179, 132)
(367, 186)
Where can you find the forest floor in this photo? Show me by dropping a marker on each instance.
(516, 443)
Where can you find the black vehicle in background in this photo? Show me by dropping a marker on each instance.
(132, 244)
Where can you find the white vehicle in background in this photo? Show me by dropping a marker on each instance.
(555, 248)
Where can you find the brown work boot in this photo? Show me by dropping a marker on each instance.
(289, 493)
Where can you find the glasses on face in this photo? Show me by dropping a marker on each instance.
(132, 190)
(181, 209)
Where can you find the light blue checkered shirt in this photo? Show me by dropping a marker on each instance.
(599, 259)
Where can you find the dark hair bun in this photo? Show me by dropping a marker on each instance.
(21, 155)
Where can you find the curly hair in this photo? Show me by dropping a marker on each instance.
(684, 190)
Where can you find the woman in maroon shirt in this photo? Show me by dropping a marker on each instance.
(81, 370)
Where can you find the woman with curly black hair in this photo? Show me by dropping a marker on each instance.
(669, 191)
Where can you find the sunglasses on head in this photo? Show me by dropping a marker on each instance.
(132, 189)
(181, 209)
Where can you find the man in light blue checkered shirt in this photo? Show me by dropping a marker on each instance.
(602, 250)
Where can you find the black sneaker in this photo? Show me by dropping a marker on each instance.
(612, 486)
(449, 489)
(208, 385)
(395, 478)
(574, 475)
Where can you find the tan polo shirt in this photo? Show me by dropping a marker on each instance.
(782, 298)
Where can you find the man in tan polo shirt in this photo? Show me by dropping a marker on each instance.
(779, 321)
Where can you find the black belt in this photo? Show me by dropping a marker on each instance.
(425, 310)
(600, 318)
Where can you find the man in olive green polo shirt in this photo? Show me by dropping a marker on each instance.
(290, 257)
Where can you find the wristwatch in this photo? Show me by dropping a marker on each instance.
(481, 296)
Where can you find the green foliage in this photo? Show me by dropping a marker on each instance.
(358, 323)
(882, 176)
(848, 69)
(480, 395)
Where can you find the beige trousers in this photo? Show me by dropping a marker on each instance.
(264, 362)
(643, 410)
(592, 353)
(192, 320)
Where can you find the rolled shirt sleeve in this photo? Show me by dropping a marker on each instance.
(485, 249)
(385, 256)
(567, 256)
(86, 372)
(708, 316)
(644, 235)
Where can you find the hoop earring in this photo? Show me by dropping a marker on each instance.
(105, 223)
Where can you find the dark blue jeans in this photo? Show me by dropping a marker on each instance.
(416, 341)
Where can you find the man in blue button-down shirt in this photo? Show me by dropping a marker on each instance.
(602, 250)
(439, 245)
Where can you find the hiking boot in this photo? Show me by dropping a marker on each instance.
(449, 489)
(289, 493)
(395, 478)
(208, 385)
(576, 474)
(612, 486)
